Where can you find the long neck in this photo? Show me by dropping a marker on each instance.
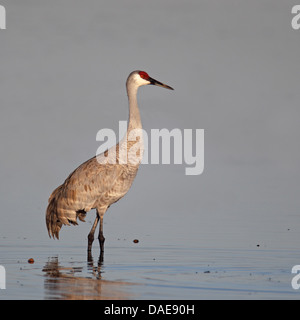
(131, 147)
(134, 113)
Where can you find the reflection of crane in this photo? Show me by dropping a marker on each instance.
(98, 185)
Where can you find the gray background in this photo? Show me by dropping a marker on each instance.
(235, 69)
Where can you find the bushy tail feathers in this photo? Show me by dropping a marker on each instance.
(53, 223)
(56, 217)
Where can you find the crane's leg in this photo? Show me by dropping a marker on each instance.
(100, 236)
(91, 234)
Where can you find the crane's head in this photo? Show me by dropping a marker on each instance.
(141, 78)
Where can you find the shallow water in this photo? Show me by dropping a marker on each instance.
(145, 272)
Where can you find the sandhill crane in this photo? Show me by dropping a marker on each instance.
(96, 185)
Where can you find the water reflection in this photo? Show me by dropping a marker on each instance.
(81, 282)
(91, 261)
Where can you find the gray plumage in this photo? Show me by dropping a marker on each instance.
(99, 182)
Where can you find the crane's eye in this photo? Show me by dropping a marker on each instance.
(144, 75)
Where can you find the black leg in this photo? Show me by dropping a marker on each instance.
(91, 234)
(100, 236)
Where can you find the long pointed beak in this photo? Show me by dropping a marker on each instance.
(157, 83)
